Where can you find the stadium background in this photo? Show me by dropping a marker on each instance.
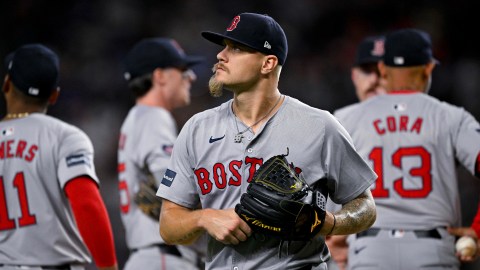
(91, 38)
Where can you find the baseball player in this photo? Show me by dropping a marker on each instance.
(49, 195)
(368, 83)
(218, 151)
(158, 74)
(413, 142)
(364, 73)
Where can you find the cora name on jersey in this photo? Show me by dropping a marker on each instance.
(17, 149)
(401, 123)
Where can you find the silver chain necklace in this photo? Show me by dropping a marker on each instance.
(239, 136)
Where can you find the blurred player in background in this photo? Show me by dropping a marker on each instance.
(51, 213)
(413, 142)
(159, 76)
(364, 73)
(367, 83)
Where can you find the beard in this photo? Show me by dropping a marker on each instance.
(215, 87)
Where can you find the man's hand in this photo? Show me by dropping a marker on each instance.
(225, 226)
(466, 231)
(337, 244)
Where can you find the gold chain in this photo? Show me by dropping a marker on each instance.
(16, 115)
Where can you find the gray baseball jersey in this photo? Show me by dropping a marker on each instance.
(208, 167)
(412, 141)
(38, 156)
(146, 143)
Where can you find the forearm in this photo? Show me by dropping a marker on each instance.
(88, 208)
(355, 216)
(179, 225)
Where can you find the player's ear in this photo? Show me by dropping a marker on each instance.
(429, 68)
(158, 76)
(54, 96)
(6, 84)
(269, 63)
(382, 69)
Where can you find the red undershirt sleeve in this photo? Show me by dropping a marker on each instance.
(92, 219)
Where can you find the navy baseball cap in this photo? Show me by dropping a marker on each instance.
(408, 47)
(259, 32)
(33, 69)
(370, 50)
(151, 53)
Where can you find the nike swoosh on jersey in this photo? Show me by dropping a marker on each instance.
(212, 140)
(357, 250)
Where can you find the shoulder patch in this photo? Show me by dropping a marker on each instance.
(168, 177)
(167, 148)
(77, 160)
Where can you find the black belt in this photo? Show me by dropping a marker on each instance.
(433, 233)
(164, 248)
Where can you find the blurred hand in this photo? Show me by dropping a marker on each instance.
(337, 244)
(465, 231)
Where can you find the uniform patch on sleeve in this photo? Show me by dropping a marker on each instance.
(77, 160)
(167, 149)
(168, 177)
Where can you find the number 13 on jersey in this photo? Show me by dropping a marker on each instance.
(422, 172)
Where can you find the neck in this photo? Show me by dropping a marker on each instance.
(153, 98)
(253, 110)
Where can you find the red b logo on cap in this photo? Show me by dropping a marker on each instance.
(234, 23)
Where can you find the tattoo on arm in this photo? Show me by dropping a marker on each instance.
(188, 238)
(357, 215)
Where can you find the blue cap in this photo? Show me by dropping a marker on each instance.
(408, 47)
(33, 69)
(151, 53)
(370, 50)
(259, 32)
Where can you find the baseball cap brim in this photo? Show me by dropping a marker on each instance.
(367, 60)
(219, 39)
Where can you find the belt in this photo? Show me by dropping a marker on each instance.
(433, 233)
(164, 248)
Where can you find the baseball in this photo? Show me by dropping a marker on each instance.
(466, 246)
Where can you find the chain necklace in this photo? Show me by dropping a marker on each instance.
(16, 115)
(239, 136)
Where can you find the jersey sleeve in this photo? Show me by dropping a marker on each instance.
(467, 142)
(177, 184)
(76, 156)
(350, 173)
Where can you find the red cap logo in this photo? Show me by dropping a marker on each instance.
(234, 23)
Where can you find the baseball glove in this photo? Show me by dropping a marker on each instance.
(280, 204)
(147, 200)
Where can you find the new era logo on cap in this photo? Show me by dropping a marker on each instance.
(259, 32)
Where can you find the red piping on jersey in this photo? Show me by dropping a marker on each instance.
(92, 219)
(402, 92)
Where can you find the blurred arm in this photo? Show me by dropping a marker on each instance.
(92, 220)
